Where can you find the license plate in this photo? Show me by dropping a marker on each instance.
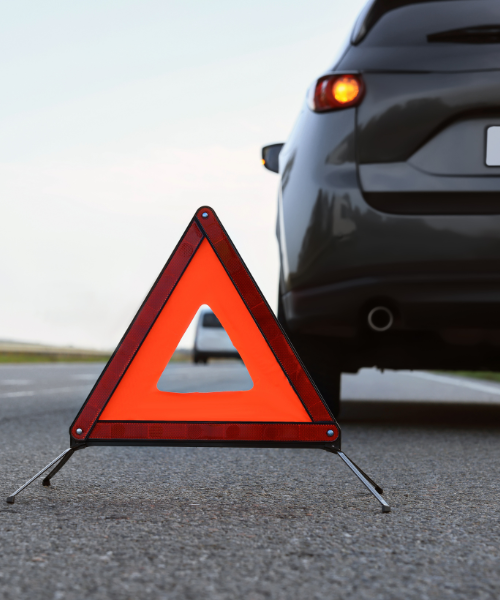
(493, 147)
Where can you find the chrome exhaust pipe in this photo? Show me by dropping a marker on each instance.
(380, 318)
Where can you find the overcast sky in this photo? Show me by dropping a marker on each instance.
(119, 118)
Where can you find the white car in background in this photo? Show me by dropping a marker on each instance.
(211, 339)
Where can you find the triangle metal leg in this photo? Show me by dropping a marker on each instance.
(64, 455)
(376, 486)
(58, 467)
(367, 481)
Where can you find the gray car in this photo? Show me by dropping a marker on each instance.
(389, 197)
(211, 339)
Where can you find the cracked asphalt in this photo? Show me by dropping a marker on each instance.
(254, 524)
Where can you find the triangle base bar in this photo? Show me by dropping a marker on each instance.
(210, 444)
(66, 455)
(174, 432)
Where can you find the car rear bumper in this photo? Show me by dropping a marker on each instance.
(216, 353)
(442, 303)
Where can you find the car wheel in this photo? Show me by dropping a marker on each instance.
(319, 355)
(328, 383)
(199, 359)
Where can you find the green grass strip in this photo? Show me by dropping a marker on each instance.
(50, 357)
(27, 357)
(486, 375)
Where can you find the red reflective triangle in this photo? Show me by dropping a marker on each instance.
(126, 405)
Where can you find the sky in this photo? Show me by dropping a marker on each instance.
(119, 118)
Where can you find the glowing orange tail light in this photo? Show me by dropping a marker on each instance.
(332, 92)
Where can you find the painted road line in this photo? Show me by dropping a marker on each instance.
(63, 390)
(471, 385)
(16, 394)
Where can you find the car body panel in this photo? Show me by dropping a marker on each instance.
(328, 232)
(403, 111)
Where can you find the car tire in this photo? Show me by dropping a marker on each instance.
(320, 357)
(199, 359)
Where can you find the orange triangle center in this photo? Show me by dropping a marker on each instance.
(205, 281)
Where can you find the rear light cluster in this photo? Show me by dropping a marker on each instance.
(332, 92)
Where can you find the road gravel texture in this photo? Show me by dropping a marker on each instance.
(252, 524)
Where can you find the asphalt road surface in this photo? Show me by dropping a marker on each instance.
(255, 524)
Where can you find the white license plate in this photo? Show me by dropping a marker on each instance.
(493, 147)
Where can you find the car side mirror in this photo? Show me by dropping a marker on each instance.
(270, 157)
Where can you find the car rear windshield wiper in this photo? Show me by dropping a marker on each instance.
(480, 34)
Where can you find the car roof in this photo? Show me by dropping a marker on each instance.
(416, 36)
(375, 10)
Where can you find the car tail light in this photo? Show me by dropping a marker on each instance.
(332, 92)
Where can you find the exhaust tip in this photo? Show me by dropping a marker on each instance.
(380, 318)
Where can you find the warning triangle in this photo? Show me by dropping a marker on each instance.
(126, 406)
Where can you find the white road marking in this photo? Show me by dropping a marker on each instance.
(63, 390)
(472, 385)
(15, 381)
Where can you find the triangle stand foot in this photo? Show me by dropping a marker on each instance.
(63, 457)
(375, 489)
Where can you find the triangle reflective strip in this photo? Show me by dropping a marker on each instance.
(283, 404)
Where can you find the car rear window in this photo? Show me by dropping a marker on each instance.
(424, 22)
(210, 320)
